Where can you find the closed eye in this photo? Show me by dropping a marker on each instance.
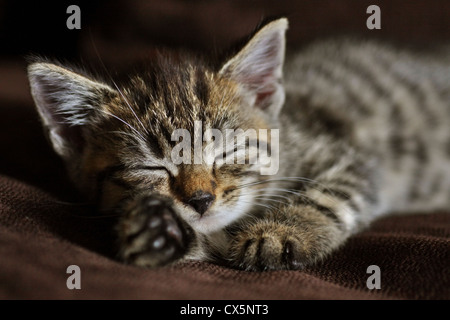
(154, 168)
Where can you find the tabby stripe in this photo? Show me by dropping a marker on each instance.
(358, 66)
(238, 170)
(343, 182)
(366, 192)
(167, 135)
(322, 120)
(324, 210)
(155, 146)
(328, 74)
(201, 88)
(364, 73)
(342, 195)
(398, 149)
(413, 88)
(397, 142)
(421, 151)
(259, 143)
(437, 184)
(352, 204)
(357, 169)
(423, 106)
(347, 196)
(422, 158)
(336, 192)
(367, 74)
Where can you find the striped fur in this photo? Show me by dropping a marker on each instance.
(364, 132)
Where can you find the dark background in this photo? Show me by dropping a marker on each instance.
(125, 26)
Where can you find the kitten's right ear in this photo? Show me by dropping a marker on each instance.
(65, 101)
(258, 67)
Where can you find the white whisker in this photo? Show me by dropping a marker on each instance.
(117, 87)
(126, 123)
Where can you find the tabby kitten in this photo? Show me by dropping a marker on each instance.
(364, 131)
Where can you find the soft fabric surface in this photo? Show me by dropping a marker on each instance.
(43, 230)
(40, 237)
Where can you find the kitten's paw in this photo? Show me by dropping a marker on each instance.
(151, 234)
(278, 245)
(267, 246)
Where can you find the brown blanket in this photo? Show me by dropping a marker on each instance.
(44, 228)
(40, 237)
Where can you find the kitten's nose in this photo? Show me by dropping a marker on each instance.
(201, 201)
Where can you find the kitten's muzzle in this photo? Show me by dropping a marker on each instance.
(201, 201)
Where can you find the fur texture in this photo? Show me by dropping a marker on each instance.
(364, 131)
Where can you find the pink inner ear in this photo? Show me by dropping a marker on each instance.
(263, 96)
(263, 83)
(260, 69)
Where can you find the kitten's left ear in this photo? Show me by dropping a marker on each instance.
(258, 67)
(66, 102)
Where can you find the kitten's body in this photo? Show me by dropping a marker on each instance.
(392, 107)
(364, 131)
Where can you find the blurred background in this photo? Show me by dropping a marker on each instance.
(122, 31)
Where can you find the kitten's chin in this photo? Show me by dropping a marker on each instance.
(212, 222)
(217, 219)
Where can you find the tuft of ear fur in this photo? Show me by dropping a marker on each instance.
(64, 99)
(258, 67)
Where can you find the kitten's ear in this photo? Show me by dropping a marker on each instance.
(65, 101)
(258, 66)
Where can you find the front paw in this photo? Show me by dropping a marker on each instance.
(290, 244)
(151, 234)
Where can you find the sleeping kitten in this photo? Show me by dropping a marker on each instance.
(364, 131)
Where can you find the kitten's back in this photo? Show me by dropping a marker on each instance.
(395, 102)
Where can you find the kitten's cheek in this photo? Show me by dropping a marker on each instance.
(111, 196)
(151, 234)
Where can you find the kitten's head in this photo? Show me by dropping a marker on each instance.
(117, 140)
